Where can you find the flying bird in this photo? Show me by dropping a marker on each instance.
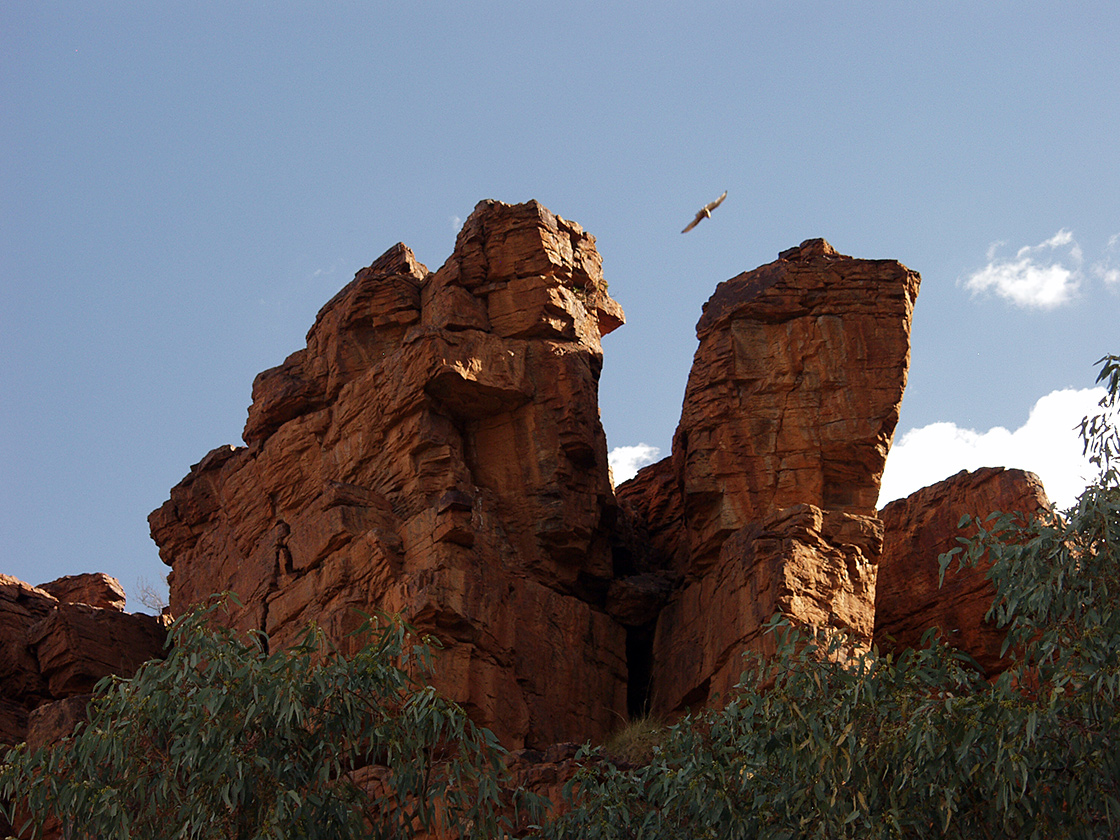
(705, 212)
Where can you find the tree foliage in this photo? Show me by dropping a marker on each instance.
(226, 740)
(917, 745)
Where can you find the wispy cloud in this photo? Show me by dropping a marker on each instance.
(1106, 268)
(1048, 445)
(1039, 276)
(625, 461)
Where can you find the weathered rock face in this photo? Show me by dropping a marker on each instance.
(95, 589)
(909, 597)
(52, 649)
(767, 503)
(814, 566)
(435, 450)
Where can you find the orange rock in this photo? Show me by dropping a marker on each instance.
(96, 589)
(52, 649)
(921, 527)
(767, 503)
(434, 450)
(57, 719)
(813, 566)
(76, 645)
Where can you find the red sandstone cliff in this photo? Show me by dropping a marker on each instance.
(910, 598)
(435, 450)
(767, 503)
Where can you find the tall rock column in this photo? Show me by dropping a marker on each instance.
(767, 503)
(435, 450)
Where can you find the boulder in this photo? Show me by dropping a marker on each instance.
(909, 597)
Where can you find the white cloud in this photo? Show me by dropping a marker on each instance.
(1104, 269)
(625, 461)
(1036, 276)
(1048, 444)
(456, 223)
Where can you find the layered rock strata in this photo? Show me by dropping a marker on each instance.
(767, 503)
(435, 450)
(52, 649)
(910, 597)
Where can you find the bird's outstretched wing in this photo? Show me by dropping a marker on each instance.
(713, 205)
(705, 212)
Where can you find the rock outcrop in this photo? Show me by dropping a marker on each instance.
(910, 598)
(55, 648)
(767, 503)
(435, 450)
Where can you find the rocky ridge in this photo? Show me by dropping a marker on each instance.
(436, 450)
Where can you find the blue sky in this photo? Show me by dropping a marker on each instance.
(183, 185)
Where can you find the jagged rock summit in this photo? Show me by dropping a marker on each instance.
(436, 450)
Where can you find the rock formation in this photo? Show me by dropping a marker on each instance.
(910, 598)
(767, 503)
(56, 648)
(435, 450)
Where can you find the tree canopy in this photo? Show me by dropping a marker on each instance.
(224, 739)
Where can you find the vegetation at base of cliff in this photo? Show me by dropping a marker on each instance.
(917, 745)
(225, 740)
(636, 742)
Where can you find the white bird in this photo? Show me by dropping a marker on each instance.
(706, 212)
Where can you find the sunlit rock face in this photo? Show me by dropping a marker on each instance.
(435, 450)
(911, 596)
(767, 503)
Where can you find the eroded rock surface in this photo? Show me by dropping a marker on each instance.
(909, 597)
(788, 415)
(53, 649)
(435, 450)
